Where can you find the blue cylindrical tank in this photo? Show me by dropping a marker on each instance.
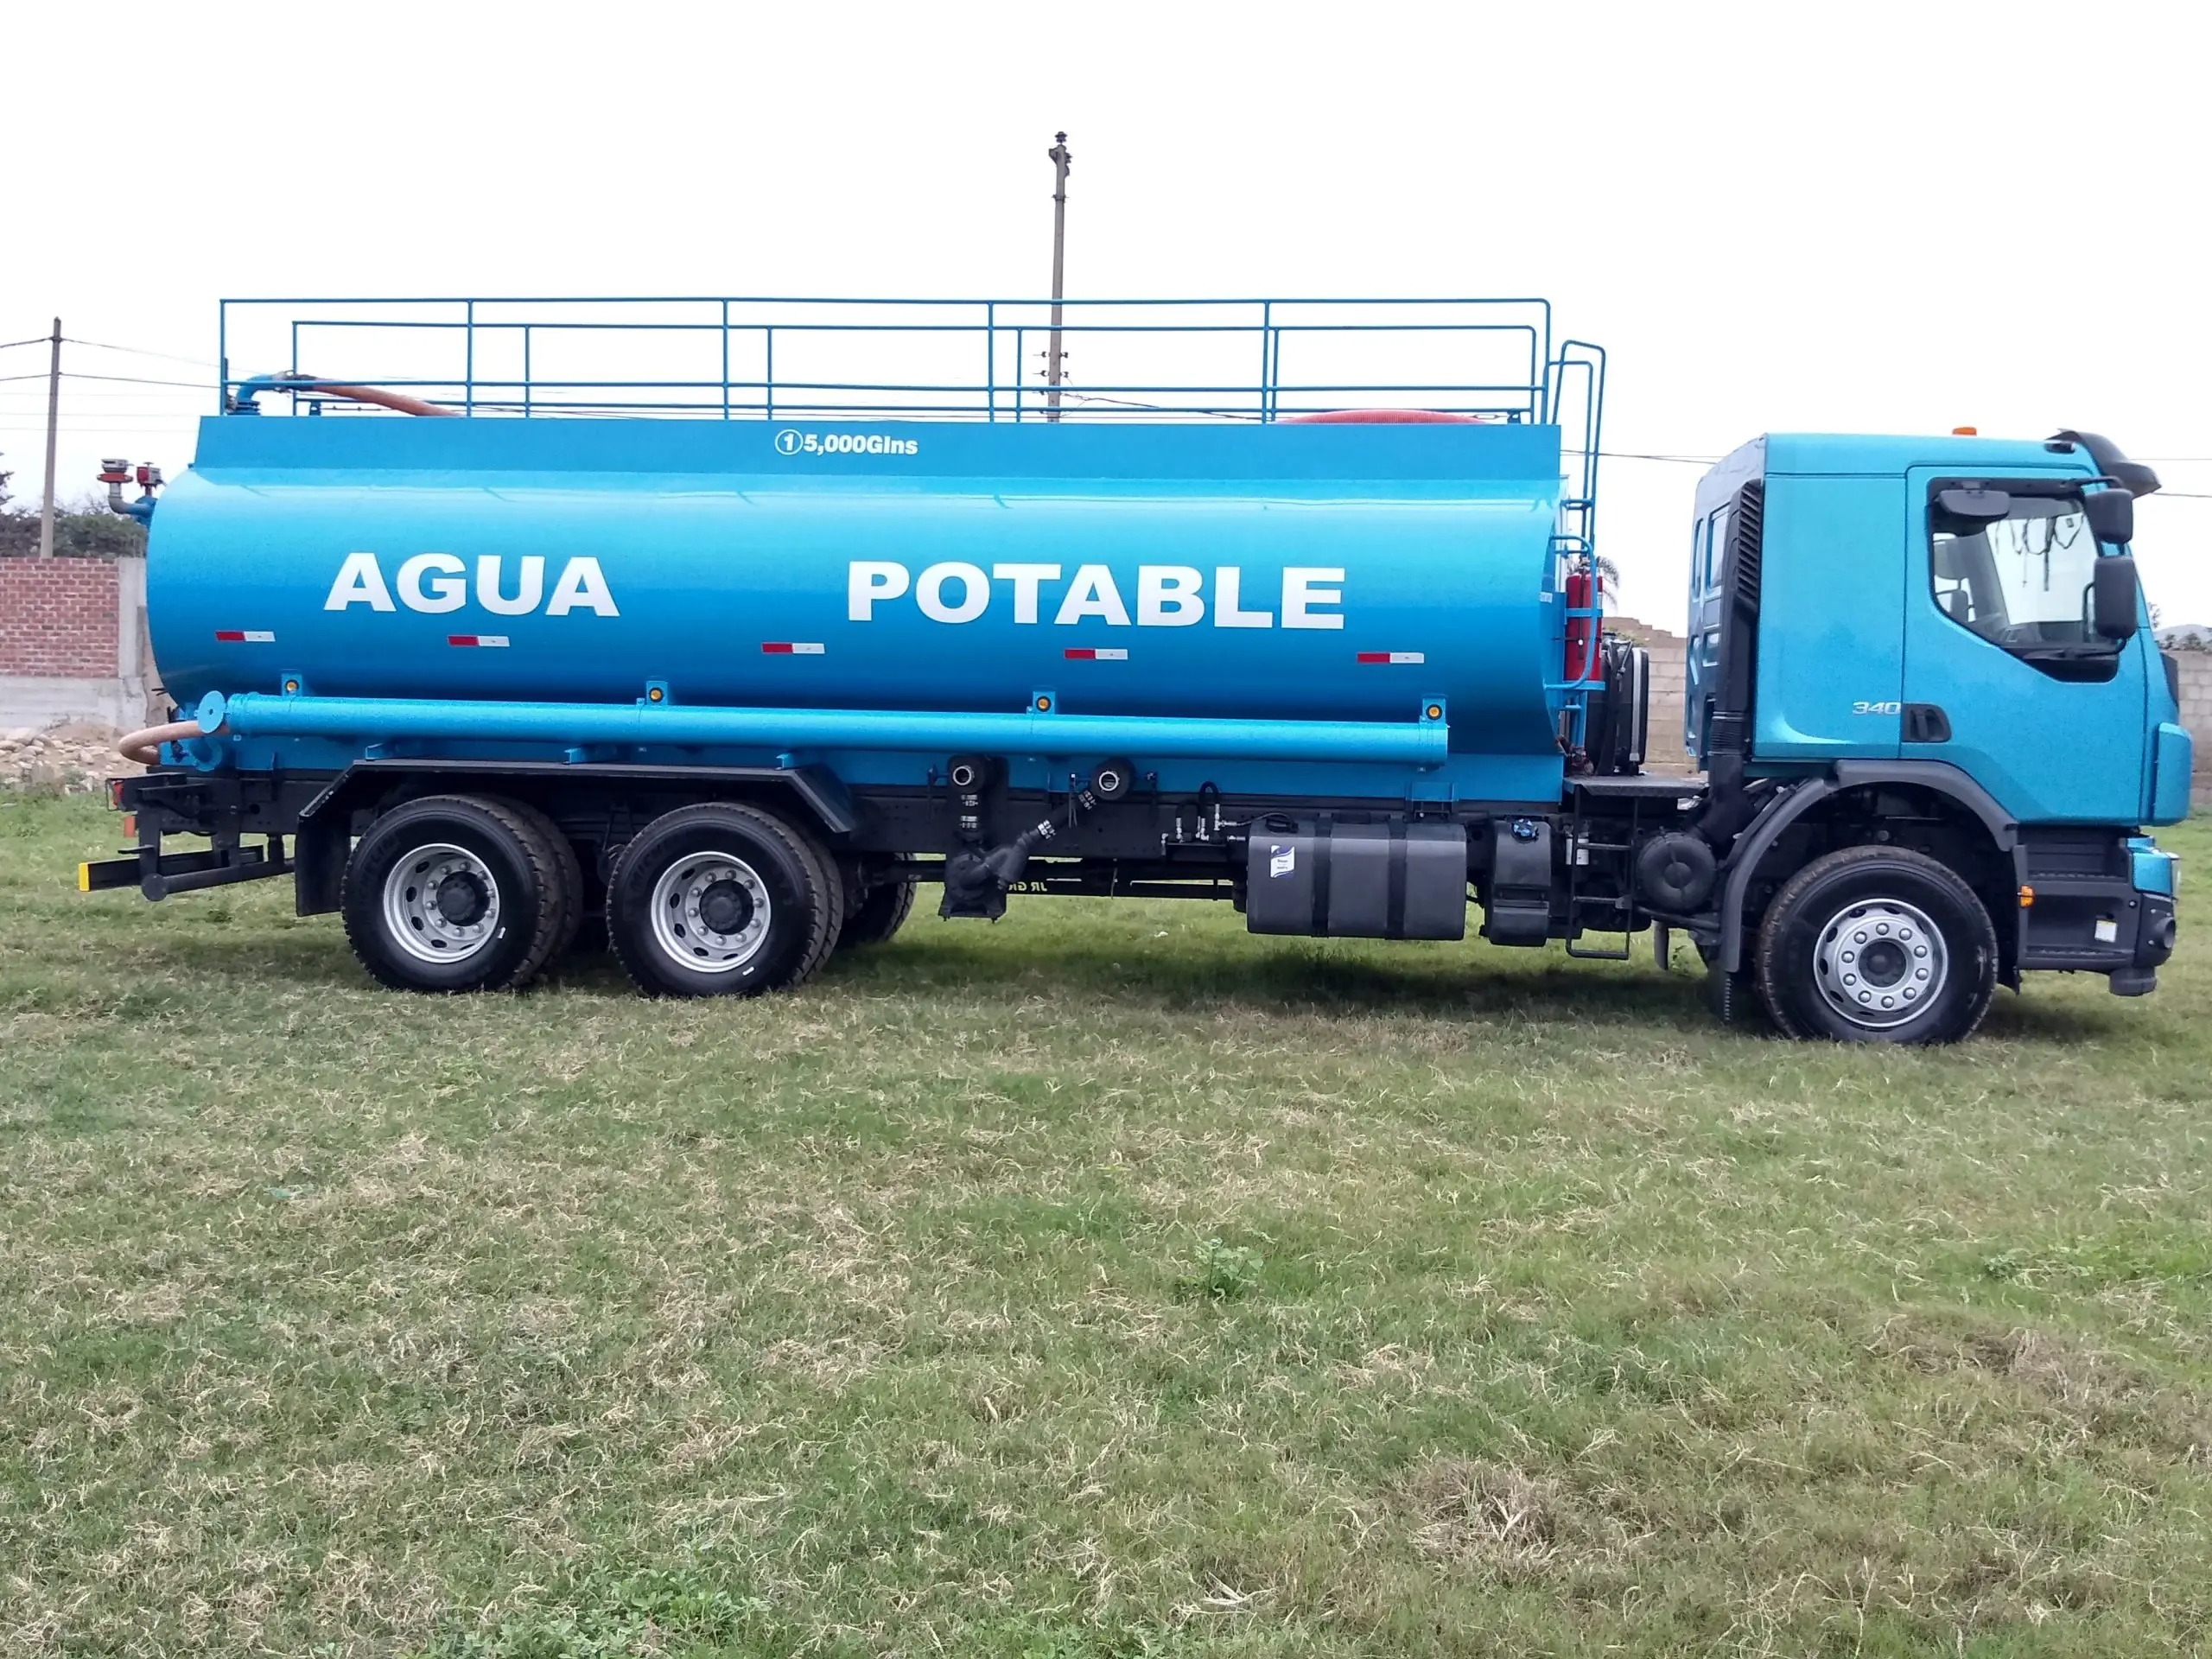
(1325, 572)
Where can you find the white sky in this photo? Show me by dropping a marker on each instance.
(1866, 217)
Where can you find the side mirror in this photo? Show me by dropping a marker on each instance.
(2112, 516)
(2115, 595)
(1976, 506)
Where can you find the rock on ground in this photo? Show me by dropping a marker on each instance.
(74, 758)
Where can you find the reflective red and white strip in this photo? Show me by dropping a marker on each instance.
(476, 640)
(245, 637)
(793, 648)
(1100, 654)
(1393, 657)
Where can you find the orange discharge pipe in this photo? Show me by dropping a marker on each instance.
(393, 400)
(145, 746)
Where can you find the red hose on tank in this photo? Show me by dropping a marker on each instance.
(1381, 417)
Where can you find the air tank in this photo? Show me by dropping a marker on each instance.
(1325, 572)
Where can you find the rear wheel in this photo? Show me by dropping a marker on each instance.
(559, 853)
(872, 914)
(1877, 945)
(722, 900)
(453, 894)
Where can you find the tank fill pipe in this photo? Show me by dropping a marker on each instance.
(647, 724)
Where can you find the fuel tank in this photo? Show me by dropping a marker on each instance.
(1322, 571)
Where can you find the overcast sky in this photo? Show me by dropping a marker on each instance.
(1866, 217)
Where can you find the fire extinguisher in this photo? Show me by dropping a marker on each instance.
(1581, 630)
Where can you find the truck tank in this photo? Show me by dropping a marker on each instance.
(1325, 572)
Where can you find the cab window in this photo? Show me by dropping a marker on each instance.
(2023, 580)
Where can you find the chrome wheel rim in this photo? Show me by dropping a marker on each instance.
(440, 903)
(711, 913)
(1880, 962)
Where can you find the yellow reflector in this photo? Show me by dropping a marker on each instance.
(84, 878)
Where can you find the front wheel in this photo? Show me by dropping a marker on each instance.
(1877, 945)
(722, 900)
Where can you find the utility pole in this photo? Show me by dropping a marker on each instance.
(1060, 157)
(52, 425)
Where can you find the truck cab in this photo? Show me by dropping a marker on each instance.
(1954, 625)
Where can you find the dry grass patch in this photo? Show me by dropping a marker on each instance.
(1106, 1283)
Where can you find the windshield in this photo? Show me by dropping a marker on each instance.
(2021, 581)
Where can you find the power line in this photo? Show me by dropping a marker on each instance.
(138, 351)
(119, 379)
(141, 380)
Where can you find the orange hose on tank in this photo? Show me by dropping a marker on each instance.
(145, 746)
(393, 400)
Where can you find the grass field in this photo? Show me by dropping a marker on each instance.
(1104, 1283)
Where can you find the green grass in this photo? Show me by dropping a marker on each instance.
(1105, 1283)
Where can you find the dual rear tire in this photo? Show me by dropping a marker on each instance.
(456, 892)
(723, 900)
(877, 903)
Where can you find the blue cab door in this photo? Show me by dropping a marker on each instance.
(2004, 676)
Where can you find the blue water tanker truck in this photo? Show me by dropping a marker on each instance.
(718, 628)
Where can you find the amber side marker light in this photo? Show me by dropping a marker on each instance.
(2027, 897)
(1966, 431)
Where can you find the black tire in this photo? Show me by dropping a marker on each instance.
(1877, 945)
(769, 870)
(559, 855)
(492, 858)
(873, 914)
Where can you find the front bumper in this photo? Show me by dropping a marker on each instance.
(2123, 927)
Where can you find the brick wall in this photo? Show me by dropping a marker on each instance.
(58, 618)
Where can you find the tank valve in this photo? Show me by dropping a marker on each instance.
(116, 473)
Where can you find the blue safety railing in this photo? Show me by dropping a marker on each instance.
(984, 359)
